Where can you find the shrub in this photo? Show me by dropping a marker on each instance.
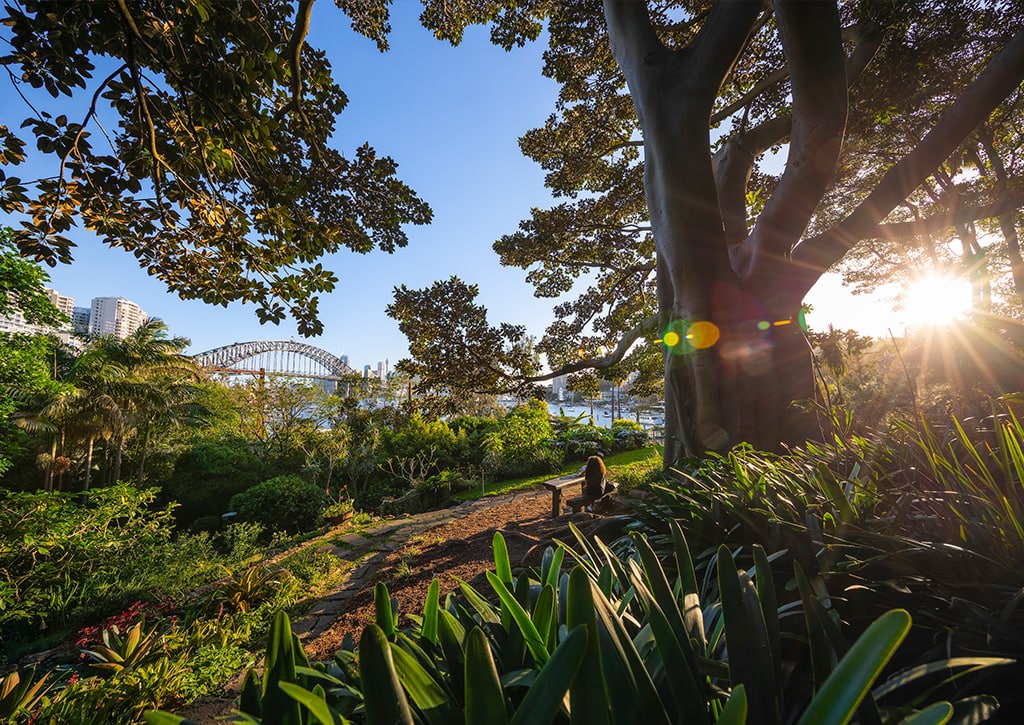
(619, 643)
(583, 441)
(628, 435)
(523, 433)
(206, 523)
(287, 503)
(209, 668)
(241, 542)
(57, 555)
(207, 476)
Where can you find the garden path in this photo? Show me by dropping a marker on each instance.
(407, 554)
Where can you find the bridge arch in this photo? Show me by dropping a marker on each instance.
(286, 357)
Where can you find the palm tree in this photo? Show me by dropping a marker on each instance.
(98, 417)
(117, 387)
(157, 387)
(50, 415)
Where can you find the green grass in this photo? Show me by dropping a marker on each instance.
(645, 459)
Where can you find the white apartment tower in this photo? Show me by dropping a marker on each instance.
(115, 316)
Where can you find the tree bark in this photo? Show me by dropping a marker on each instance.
(734, 356)
(143, 451)
(88, 464)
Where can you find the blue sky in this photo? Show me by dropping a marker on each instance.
(451, 118)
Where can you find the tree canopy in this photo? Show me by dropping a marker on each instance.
(898, 123)
(202, 147)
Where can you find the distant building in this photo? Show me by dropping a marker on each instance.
(66, 305)
(15, 322)
(115, 316)
(80, 320)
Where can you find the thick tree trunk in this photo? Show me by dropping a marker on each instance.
(734, 356)
(747, 380)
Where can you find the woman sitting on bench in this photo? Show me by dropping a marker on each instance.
(594, 483)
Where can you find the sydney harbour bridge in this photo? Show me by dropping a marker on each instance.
(275, 357)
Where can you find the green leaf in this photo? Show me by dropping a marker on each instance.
(382, 605)
(750, 654)
(423, 688)
(814, 614)
(835, 493)
(693, 616)
(938, 713)
(250, 701)
(626, 670)
(428, 629)
(593, 556)
(554, 571)
(502, 565)
(280, 667)
(451, 635)
(907, 676)
(850, 682)
(685, 692)
(156, 717)
(484, 608)
(735, 710)
(534, 642)
(588, 694)
(544, 698)
(484, 700)
(544, 616)
(383, 696)
(769, 609)
(314, 702)
(655, 577)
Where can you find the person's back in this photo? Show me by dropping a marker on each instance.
(593, 477)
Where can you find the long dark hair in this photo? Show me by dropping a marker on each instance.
(593, 476)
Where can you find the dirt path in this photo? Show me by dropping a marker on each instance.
(407, 555)
(445, 545)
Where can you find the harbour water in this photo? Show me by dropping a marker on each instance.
(602, 415)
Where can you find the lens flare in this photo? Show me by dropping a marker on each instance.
(703, 335)
(682, 337)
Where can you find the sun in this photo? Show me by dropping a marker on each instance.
(935, 300)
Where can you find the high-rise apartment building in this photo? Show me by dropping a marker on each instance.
(115, 316)
(80, 320)
(15, 321)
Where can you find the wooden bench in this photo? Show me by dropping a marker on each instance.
(556, 485)
(598, 504)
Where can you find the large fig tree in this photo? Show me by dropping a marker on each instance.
(696, 245)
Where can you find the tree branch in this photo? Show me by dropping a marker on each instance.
(298, 38)
(646, 326)
(772, 79)
(722, 37)
(868, 38)
(938, 222)
(810, 34)
(631, 34)
(1000, 78)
